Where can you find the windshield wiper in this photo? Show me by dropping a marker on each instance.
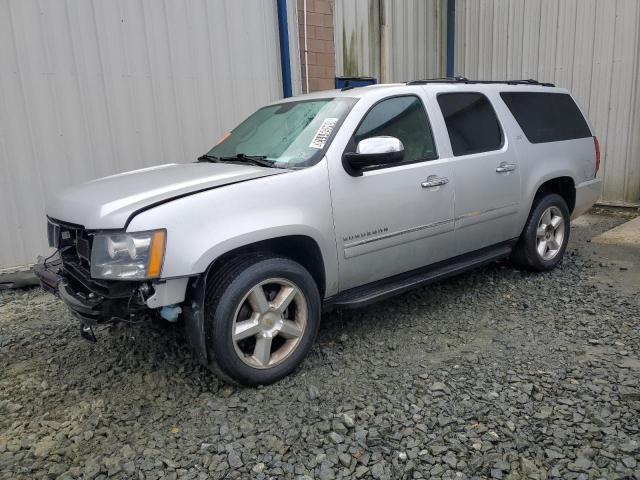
(208, 158)
(259, 160)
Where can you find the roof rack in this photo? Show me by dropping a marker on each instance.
(467, 81)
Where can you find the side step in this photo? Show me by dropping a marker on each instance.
(389, 287)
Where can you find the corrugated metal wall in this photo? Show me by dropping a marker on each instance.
(591, 47)
(415, 30)
(357, 37)
(417, 44)
(91, 87)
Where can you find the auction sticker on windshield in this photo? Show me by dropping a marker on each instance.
(323, 133)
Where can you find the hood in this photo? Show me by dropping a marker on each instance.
(108, 202)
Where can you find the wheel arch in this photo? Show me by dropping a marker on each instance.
(564, 186)
(300, 248)
(560, 182)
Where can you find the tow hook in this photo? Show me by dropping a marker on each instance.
(86, 332)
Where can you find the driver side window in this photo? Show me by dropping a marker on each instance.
(404, 118)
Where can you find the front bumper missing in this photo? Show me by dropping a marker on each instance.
(88, 307)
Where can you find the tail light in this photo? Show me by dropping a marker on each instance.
(596, 144)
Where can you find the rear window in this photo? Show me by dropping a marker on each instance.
(547, 117)
(471, 122)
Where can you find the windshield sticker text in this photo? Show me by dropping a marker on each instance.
(323, 133)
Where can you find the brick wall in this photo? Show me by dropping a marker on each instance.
(320, 45)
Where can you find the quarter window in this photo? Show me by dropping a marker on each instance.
(404, 118)
(471, 122)
(547, 117)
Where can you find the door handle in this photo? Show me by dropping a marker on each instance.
(506, 167)
(434, 181)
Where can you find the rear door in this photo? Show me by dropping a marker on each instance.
(485, 168)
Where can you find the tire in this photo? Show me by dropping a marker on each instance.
(272, 341)
(542, 250)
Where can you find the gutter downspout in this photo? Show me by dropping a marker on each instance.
(451, 35)
(306, 49)
(385, 40)
(285, 58)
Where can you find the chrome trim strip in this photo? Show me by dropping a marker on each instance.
(424, 227)
(396, 234)
(483, 212)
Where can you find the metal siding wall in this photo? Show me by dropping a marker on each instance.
(417, 48)
(357, 37)
(591, 47)
(91, 88)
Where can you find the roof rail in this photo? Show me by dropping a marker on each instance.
(467, 81)
(439, 80)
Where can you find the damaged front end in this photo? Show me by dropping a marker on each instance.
(97, 302)
(92, 301)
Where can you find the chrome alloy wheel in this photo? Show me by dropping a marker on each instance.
(269, 323)
(550, 233)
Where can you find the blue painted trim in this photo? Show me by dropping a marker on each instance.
(451, 35)
(285, 58)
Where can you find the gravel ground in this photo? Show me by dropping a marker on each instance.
(494, 374)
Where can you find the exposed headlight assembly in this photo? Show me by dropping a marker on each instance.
(128, 256)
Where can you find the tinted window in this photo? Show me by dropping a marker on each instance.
(403, 118)
(471, 122)
(547, 117)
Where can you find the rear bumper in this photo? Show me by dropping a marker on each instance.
(89, 307)
(587, 193)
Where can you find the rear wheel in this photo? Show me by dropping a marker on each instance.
(262, 314)
(545, 236)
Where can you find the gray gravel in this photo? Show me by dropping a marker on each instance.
(495, 374)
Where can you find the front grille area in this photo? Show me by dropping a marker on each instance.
(73, 241)
(74, 244)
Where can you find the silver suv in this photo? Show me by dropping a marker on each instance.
(334, 199)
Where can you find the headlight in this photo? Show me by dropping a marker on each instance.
(128, 256)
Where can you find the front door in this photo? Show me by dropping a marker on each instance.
(485, 172)
(396, 218)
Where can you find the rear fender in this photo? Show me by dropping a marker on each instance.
(531, 189)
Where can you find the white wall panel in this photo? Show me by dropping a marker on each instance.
(357, 37)
(416, 38)
(591, 47)
(93, 87)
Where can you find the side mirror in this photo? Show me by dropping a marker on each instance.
(374, 151)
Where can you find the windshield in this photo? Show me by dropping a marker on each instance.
(288, 135)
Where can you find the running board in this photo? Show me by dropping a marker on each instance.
(382, 289)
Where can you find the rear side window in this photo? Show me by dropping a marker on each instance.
(471, 122)
(547, 117)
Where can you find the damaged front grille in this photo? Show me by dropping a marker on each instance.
(74, 243)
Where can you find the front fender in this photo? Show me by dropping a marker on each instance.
(204, 226)
(254, 236)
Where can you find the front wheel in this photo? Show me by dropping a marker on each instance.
(262, 314)
(545, 236)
